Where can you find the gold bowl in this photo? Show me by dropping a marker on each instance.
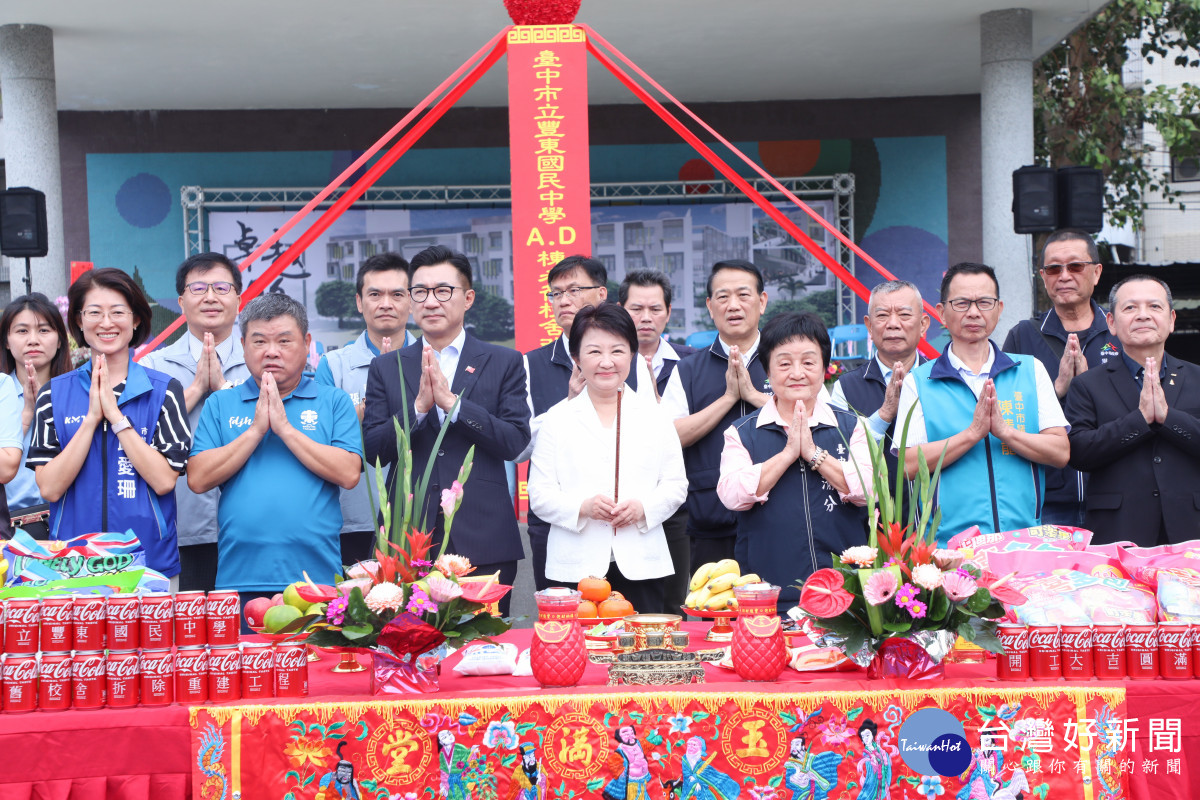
(641, 624)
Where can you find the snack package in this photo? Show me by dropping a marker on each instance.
(1071, 597)
(88, 555)
(1057, 537)
(523, 667)
(484, 658)
(1032, 562)
(1179, 596)
(1144, 564)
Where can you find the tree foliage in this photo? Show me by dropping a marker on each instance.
(822, 303)
(490, 317)
(1087, 113)
(336, 299)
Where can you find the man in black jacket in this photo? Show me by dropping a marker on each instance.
(1135, 426)
(1068, 339)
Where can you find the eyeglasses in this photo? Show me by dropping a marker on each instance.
(200, 287)
(115, 314)
(440, 293)
(574, 291)
(1075, 267)
(962, 304)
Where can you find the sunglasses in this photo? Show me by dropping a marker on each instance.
(1075, 267)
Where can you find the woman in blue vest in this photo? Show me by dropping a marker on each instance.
(788, 468)
(111, 438)
(33, 349)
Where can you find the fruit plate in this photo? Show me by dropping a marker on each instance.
(721, 631)
(293, 636)
(728, 613)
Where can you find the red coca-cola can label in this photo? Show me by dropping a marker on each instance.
(1175, 650)
(1075, 645)
(1013, 664)
(190, 612)
(58, 625)
(291, 669)
(89, 616)
(122, 677)
(1141, 652)
(191, 674)
(224, 611)
(88, 678)
(20, 682)
(124, 622)
(1045, 663)
(258, 670)
(1108, 652)
(54, 682)
(224, 673)
(158, 677)
(158, 620)
(23, 622)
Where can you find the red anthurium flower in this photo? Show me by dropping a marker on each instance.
(1000, 589)
(824, 594)
(474, 591)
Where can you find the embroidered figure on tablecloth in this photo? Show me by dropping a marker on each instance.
(339, 782)
(875, 764)
(701, 780)
(634, 777)
(527, 782)
(809, 775)
(454, 760)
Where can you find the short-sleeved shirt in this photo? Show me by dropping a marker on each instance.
(277, 518)
(22, 490)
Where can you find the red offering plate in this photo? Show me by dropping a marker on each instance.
(721, 631)
(287, 637)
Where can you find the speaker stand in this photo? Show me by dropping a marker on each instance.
(28, 277)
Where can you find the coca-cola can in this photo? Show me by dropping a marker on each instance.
(1141, 652)
(191, 674)
(291, 669)
(1013, 665)
(58, 625)
(54, 682)
(224, 673)
(88, 678)
(1108, 652)
(1175, 650)
(123, 668)
(23, 622)
(158, 677)
(20, 682)
(124, 620)
(224, 611)
(158, 620)
(1045, 663)
(1075, 644)
(190, 613)
(258, 670)
(89, 616)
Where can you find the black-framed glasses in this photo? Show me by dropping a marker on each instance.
(573, 291)
(440, 293)
(1075, 267)
(961, 304)
(200, 287)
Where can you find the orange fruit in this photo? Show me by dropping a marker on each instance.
(587, 610)
(615, 606)
(594, 589)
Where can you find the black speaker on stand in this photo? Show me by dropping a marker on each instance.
(23, 227)
(1081, 198)
(1035, 200)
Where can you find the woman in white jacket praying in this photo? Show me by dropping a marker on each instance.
(607, 469)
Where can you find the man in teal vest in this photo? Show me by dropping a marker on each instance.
(994, 414)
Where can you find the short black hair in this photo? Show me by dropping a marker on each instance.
(595, 270)
(119, 282)
(793, 325)
(605, 317)
(382, 262)
(644, 277)
(203, 262)
(1112, 293)
(967, 268)
(1070, 235)
(734, 263)
(440, 254)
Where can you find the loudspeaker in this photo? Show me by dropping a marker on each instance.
(1035, 200)
(1081, 198)
(23, 223)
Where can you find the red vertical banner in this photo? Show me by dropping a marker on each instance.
(551, 183)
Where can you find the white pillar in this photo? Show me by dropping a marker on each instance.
(1006, 128)
(31, 156)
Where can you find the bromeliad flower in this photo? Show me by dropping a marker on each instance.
(679, 723)
(881, 587)
(927, 576)
(860, 556)
(916, 609)
(906, 595)
(500, 734)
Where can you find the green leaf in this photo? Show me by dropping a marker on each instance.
(897, 627)
(524, 728)
(308, 780)
(853, 714)
(939, 606)
(774, 782)
(654, 737)
(594, 784)
(787, 718)
(979, 601)
(292, 774)
(508, 760)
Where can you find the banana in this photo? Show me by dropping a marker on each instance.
(700, 576)
(725, 566)
(722, 583)
(748, 578)
(696, 599)
(719, 602)
(690, 602)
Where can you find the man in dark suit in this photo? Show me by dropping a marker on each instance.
(446, 365)
(646, 295)
(1135, 427)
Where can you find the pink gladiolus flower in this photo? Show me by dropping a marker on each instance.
(881, 587)
(947, 560)
(441, 588)
(958, 587)
(451, 498)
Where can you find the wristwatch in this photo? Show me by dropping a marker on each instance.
(121, 425)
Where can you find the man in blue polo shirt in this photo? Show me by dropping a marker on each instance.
(279, 445)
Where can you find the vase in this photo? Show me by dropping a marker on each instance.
(406, 674)
(758, 650)
(899, 657)
(558, 653)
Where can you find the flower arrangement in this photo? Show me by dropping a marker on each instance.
(900, 585)
(834, 371)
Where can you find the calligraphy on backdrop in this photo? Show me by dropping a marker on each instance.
(551, 181)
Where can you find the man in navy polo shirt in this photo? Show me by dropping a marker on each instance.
(279, 445)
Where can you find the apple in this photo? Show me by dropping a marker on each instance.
(277, 599)
(255, 610)
(278, 617)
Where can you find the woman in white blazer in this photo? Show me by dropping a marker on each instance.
(601, 527)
